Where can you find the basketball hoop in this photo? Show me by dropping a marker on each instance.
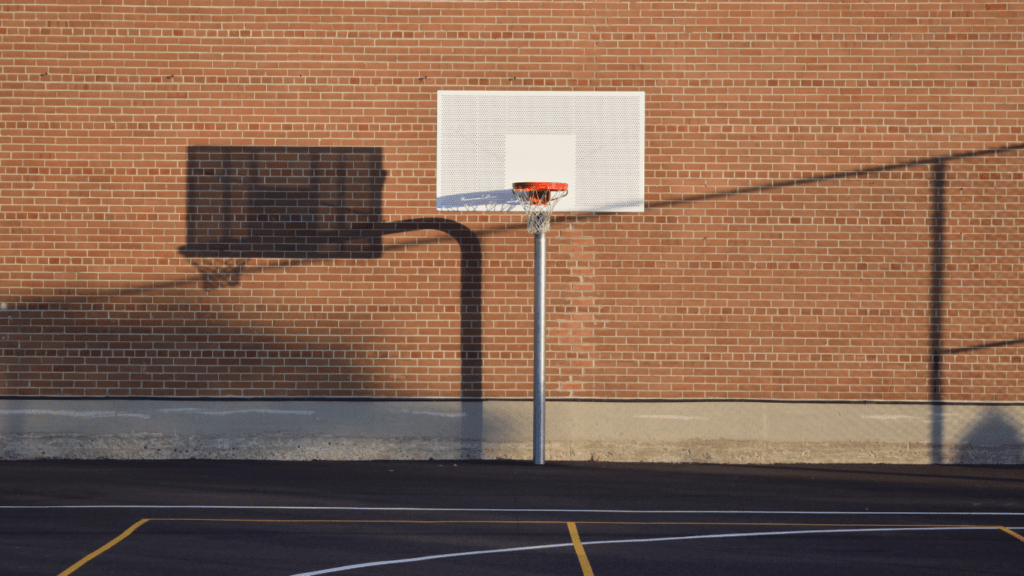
(219, 271)
(538, 200)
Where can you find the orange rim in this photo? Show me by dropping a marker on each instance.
(539, 186)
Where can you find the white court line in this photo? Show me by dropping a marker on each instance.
(485, 510)
(637, 541)
(435, 557)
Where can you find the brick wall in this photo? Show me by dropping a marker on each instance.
(833, 202)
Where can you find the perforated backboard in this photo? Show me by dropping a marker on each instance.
(594, 141)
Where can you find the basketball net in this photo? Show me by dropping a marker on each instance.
(538, 200)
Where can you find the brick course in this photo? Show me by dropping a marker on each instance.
(833, 202)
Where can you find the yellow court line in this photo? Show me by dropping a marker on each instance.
(573, 532)
(105, 547)
(580, 553)
(284, 521)
(1012, 533)
(593, 523)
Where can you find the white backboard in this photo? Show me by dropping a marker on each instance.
(593, 141)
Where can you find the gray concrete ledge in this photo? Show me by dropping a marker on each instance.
(719, 432)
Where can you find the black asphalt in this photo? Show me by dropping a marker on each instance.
(286, 518)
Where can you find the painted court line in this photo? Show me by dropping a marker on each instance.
(630, 541)
(785, 533)
(580, 553)
(104, 548)
(576, 542)
(516, 510)
(435, 557)
(585, 522)
(1012, 533)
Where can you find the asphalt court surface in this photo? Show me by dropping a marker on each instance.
(506, 518)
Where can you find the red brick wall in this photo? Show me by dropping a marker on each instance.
(833, 189)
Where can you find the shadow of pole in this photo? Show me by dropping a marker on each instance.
(471, 267)
(470, 320)
(938, 223)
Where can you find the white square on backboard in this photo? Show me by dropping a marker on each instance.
(482, 139)
(541, 158)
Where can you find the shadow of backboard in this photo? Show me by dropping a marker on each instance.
(307, 203)
(283, 202)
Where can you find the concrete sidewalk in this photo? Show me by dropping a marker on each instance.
(640, 431)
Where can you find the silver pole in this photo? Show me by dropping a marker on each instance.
(539, 261)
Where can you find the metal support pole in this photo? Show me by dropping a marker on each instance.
(539, 278)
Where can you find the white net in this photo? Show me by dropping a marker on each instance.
(538, 201)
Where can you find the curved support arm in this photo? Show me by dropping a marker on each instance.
(470, 300)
